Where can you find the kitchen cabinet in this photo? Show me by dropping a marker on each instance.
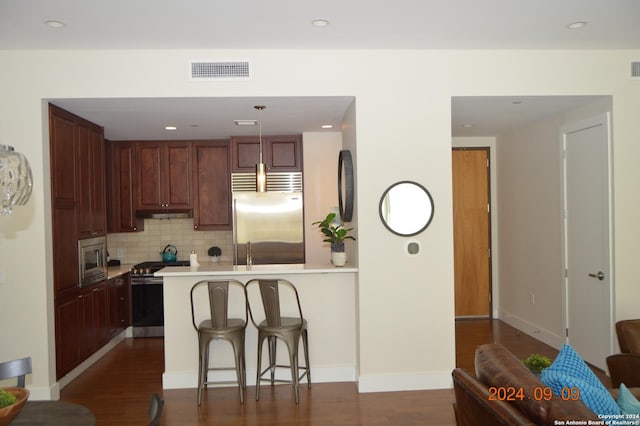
(165, 175)
(67, 335)
(211, 185)
(63, 152)
(122, 193)
(279, 153)
(119, 303)
(78, 209)
(91, 206)
(81, 326)
(94, 328)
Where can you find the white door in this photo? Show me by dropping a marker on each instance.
(587, 239)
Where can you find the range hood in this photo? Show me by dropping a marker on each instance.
(163, 214)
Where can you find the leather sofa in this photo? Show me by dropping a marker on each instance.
(625, 366)
(484, 399)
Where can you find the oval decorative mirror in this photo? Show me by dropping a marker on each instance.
(345, 185)
(406, 208)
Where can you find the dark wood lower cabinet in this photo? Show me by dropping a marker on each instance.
(119, 304)
(83, 325)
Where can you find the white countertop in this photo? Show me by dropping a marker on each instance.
(229, 269)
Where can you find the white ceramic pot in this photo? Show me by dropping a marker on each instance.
(214, 258)
(338, 258)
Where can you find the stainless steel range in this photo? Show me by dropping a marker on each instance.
(147, 300)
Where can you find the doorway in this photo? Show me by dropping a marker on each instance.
(587, 235)
(472, 232)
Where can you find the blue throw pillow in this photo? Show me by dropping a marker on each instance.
(568, 371)
(628, 403)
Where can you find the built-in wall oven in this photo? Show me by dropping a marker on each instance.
(147, 307)
(92, 260)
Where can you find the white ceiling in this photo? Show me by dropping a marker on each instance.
(286, 24)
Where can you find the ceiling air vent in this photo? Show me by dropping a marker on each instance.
(635, 70)
(219, 70)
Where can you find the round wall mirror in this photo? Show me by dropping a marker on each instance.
(345, 185)
(406, 208)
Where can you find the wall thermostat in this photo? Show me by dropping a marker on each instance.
(413, 247)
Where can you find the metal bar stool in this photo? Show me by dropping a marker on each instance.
(274, 327)
(218, 325)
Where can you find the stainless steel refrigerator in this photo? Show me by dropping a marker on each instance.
(268, 227)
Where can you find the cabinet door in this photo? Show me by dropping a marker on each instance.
(211, 186)
(124, 190)
(279, 153)
(63, 158)
(63, 199)
(150, 181)
(98, 183)
(90, 180)
(245, 153)
(100, 316)
(164, 175)
(67, 335)
(87, 332)
(177, 175)
(119, 304)
(285, 153)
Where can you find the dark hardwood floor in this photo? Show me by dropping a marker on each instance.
(118, 389)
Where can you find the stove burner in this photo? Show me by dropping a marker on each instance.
(150, 268)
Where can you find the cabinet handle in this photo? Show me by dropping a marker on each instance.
(122, 299)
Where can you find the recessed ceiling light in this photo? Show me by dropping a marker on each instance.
(327, 126)
(245, 122)
(170, 128)
(576, 25)
(55, 24)
(320, 23)
(467, 126)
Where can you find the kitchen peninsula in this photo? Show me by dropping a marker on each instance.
(328, 298)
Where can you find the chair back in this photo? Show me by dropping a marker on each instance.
(155, 409)
(218, 296)
(270, 292)
(628, 332)
(16, 368)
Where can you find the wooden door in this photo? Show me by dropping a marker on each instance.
(471, 230)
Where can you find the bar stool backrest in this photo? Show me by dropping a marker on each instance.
(16, 368)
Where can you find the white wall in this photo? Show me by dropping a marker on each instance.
(405, 304)
(320, 152)
(530, 225)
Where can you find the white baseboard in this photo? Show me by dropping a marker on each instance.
(54, 391)
(405, 381)
(532, 330)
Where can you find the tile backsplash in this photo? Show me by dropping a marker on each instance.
(134, 247)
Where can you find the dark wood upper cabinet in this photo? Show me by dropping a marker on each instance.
(122, 168)
(211, 186)
(90, 180)
(165, 174)
(279, 153)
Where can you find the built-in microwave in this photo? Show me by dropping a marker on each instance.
(92, 260)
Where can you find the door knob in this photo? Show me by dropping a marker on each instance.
(599, 275)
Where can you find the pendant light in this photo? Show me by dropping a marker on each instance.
(15, 179)
(261, 168)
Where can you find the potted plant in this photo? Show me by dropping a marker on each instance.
(335, 234)
(536, 363)
(214, 253)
